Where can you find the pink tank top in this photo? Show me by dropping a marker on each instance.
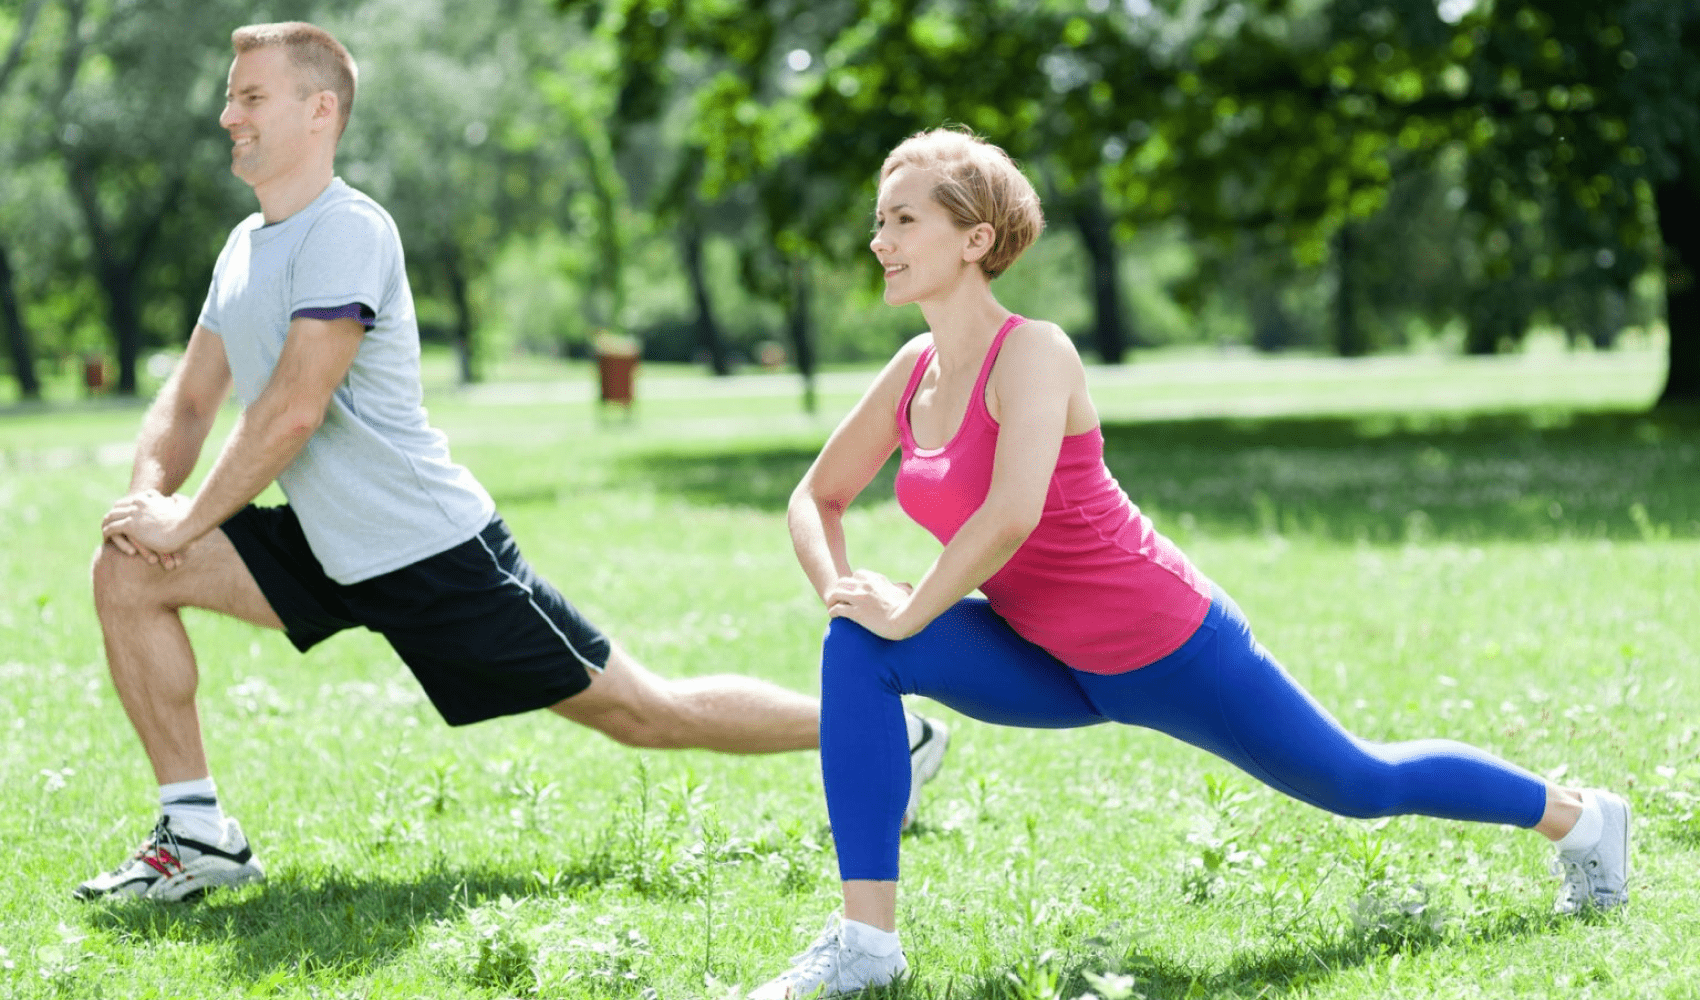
(1094, 585)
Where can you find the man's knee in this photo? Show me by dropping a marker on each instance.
(643, 732)
(119, 580)
(629, 705)
(629, 723)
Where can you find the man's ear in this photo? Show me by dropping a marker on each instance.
(325, 110)
(980, 240)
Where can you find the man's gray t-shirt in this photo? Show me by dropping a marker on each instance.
(374, 487)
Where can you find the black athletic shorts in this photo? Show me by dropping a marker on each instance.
(485, 635)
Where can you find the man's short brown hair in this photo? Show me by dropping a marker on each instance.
(319, 60)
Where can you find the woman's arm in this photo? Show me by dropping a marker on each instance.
(849, 461)
(1036, 376)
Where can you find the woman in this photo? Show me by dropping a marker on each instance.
(1091, 614)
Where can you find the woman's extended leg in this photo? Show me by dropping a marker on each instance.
(1225, 693)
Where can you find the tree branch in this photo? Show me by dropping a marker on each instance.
(26, 24)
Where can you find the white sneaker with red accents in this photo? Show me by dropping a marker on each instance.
(172, 868)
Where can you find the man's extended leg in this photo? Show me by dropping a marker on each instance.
(726, 712)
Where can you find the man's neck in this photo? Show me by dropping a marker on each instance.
(284, 195)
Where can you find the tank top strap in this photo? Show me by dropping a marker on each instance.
(991, 359)
(915, 376)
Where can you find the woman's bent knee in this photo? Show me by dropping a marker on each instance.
(847, 641)
(855, 659)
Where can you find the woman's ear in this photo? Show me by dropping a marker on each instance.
(979, 244)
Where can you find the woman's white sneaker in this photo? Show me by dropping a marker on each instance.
(833, 966)
(928, 740)
(1597, 877)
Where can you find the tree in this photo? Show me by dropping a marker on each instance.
(19, 346)
(729, 67)
(453, 137)
(127, 129)
(1579, 121)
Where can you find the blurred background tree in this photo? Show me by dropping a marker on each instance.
(1341, 176)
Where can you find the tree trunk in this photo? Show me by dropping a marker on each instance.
(115, 279)
(800, 329)
(708, 331)
(1271, 330)
(1679, 223)
(608, 193)
(17, 335)
(1608, 320)
(1109, 330)
(1349, 340)
(15, 54)
(463, 315)
(114, 269)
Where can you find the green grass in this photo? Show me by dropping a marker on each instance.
(1516, 572)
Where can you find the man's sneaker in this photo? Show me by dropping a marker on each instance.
(1599, 876)
(928, 739)
(169, 867)
(831, 967)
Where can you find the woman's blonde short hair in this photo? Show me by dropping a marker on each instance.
(977, 182)
(317, 58)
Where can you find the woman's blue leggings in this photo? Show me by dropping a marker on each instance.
(1221, 691)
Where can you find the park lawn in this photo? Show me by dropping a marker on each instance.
(1519, 579)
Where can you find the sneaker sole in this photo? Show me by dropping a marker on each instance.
(1622, 895)
(185, 887)
(191, 885)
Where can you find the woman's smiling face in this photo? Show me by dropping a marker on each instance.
(915, 239)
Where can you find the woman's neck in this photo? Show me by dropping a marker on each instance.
(963, 323)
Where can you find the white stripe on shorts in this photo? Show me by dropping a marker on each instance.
(540, 612)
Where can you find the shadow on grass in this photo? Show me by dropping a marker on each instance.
(1419, 477)
(1288, 968)
(336, 926)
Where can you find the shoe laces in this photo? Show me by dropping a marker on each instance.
(816, 961)
(161, 851)
(815, 965)
(1578, 884)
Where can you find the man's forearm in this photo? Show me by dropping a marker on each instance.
(265, 440)
(169, 443)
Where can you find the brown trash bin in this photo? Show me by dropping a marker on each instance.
(616, 370)
(94, 372)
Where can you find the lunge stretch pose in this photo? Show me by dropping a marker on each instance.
(1090, 614)
(311, 319)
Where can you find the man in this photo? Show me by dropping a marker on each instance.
(310, 319)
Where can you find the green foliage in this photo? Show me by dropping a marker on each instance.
(1331, 174)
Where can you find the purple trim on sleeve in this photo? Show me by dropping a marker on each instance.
(354, 310)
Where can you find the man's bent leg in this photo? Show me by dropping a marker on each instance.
(147, 648)
(725, 712)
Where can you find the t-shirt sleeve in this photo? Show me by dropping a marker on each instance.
(346, 259)
(353, 310)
